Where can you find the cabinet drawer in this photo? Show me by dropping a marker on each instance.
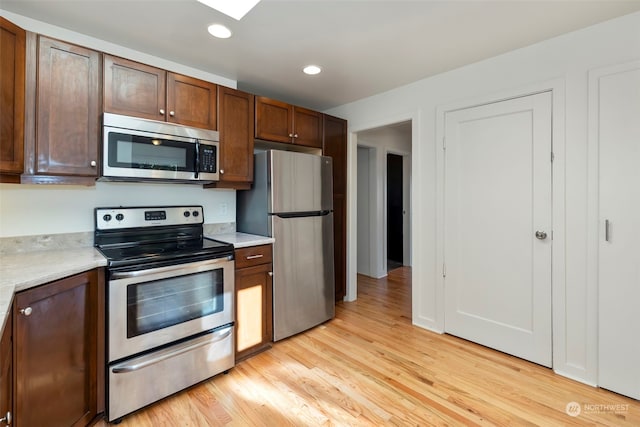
(253, 255)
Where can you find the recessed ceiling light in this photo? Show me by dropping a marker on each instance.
(219, 31)
(312, 70)
(233, 8)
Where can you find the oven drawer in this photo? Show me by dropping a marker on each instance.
(253, 255)
(142, 380)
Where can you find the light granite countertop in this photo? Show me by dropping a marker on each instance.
(22, 271)
(242, 240)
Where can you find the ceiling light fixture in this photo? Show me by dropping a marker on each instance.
(233, 8)
(219, 31)
(311, 70)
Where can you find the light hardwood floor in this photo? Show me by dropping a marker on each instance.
(370, 367)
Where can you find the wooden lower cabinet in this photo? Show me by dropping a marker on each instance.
(59, 352)
(254, 300)
(6, 374)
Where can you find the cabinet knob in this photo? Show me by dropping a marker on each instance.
(221, 171)
(290, 135)
(270, 274)
(26, 311)
(295, 135)
(6, 419)
(93, 163)
(161, 112)
(172, 113)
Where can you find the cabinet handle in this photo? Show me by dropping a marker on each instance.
(172, 113)
(26, 311)
(93, 163)
(161, 112)
(270, 274)
(255, 256)
(221, 171)
(6, 419)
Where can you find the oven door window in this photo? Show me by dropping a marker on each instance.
(143, 152)
(163, 303)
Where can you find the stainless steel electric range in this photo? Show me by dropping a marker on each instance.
(170, 303)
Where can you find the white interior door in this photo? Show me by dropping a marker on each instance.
(617, 102)
(497, 198)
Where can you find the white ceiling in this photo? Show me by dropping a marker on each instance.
(364, 47)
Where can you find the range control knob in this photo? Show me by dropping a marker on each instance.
(196, 213)
(106, 217)
(119, 217)
(187, 214)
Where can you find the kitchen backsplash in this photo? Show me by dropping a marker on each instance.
(41, 242)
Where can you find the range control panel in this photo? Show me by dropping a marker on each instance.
(123, 217)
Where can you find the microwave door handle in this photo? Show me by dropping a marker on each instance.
(196, 167)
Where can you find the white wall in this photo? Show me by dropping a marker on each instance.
(50, 209)
(565, 61)
(380, 142)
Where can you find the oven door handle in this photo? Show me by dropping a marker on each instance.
(145, 361)
(139, 273)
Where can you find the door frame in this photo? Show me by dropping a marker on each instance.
(558, 260)
(352, 217)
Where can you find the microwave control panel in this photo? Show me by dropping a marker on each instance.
(207, 159)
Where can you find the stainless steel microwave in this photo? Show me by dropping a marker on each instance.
(146, 150)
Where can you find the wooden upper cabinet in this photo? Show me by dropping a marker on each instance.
(191, 102)
(67, 110)
(274, 120)
(236, 112)
(135, 89)
(12, 100)
(307, 125)
(281, 122)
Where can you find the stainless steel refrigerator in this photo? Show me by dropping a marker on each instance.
(291, 201)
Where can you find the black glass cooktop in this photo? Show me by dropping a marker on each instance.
(140, 253)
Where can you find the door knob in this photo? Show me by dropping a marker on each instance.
(6, 419)
(541, 235)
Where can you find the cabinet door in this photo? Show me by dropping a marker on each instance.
(12, 87)
(6, 372)
(253, 309)
(307, 126)
(335, 146)
(236, 135)
(191, 102)
(274, 120)
(59, 351)
(68, 109)
(134, 89)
